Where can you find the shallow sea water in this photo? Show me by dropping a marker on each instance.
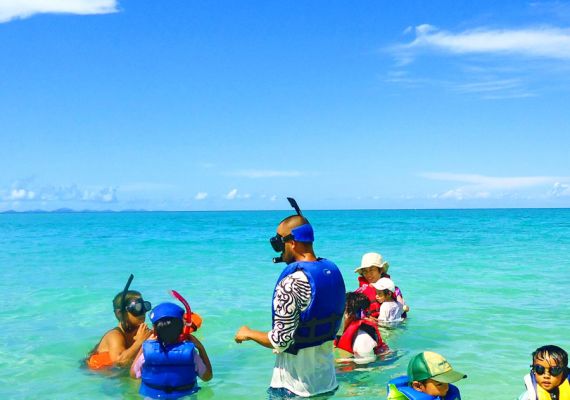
(486, 287)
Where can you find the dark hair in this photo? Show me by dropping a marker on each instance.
(356, 302)
(130, 296)
(556, 353)
(168, 329)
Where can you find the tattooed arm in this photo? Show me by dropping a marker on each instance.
(292, 296)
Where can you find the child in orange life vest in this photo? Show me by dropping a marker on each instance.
(548, 378)
(361, 336)
(169, 363)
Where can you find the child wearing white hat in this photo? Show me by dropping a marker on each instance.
(390, 310)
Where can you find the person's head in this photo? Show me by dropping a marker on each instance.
(549, 366)
(168, 323)
(430, 373)
(356, 303)
(385, 289)
(372, 267)
(296, 235)
(132, 313)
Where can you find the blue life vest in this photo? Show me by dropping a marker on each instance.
(319, 323)
(399, 386)
(168, 372)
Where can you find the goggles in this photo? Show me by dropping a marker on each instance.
(138, 307)
(554, 371)
(278, 242)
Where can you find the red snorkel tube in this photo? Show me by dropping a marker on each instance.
(187, 315)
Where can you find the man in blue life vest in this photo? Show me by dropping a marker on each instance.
(308, 302)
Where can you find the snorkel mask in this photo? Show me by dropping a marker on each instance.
(136, 307)
(303, 233)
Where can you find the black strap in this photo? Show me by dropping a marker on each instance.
(170, 389)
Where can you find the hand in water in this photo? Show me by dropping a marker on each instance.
(142, 334)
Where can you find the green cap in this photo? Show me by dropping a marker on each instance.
(429, 365)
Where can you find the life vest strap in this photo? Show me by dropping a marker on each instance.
(170, 389)
(312, 326)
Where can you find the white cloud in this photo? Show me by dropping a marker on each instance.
(542, 42)
(232, 194)
(273, 198)
(12, 9)
(560, 190)
(23, 193)
(255, 174)
(474, 186)
(200, 196)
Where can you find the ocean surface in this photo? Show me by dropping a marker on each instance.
(485, 287)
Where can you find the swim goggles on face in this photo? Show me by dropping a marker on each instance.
(540, 370)
(278, 242)
(138, 307)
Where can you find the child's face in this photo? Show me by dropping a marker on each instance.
(381, 297)
(547, 381)
(431, 387)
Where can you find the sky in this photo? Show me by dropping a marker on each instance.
(234, 105)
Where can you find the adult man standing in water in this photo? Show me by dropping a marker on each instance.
(308, 303)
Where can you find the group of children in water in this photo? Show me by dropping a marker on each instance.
(168, 359)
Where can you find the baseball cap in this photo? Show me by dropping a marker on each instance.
(372, 260)
(384, 283)
(430, 365)
(164, 310)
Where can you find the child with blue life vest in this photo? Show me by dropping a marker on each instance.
(429, 378)
(169, 364)
(361, 336)
(548, 377)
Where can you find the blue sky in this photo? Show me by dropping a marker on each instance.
(185, 105)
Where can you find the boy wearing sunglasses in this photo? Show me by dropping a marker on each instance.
(119, 346)
(548, 377)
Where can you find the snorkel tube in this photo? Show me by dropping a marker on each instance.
(124, 324)
(188, 328)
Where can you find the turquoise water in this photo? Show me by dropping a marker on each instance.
(486, 287)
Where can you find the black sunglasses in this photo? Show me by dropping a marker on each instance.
(138, 307)
(540, 370)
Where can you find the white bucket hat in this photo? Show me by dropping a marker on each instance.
(384, 283)
(372, 260)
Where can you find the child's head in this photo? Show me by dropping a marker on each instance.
(356, 303)
(549, 366)
(385, 289)
(167, 321)
(430, 373)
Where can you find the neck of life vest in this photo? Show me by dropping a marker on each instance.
(320, 322)
(398, 389)
(168, 372)
(535, 392)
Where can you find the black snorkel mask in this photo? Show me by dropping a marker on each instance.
(137, 307)
(303, 233)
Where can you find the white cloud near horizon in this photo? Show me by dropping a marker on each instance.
(61, 193)
(200, 196)
(543, 42)
(232, 194)
(475, 186)
(14, 9)
(256, 174)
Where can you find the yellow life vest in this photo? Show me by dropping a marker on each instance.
(541, 394)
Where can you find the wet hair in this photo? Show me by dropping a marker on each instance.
(130, 296)
(356, 303)
(556, 353)
(168, 330)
